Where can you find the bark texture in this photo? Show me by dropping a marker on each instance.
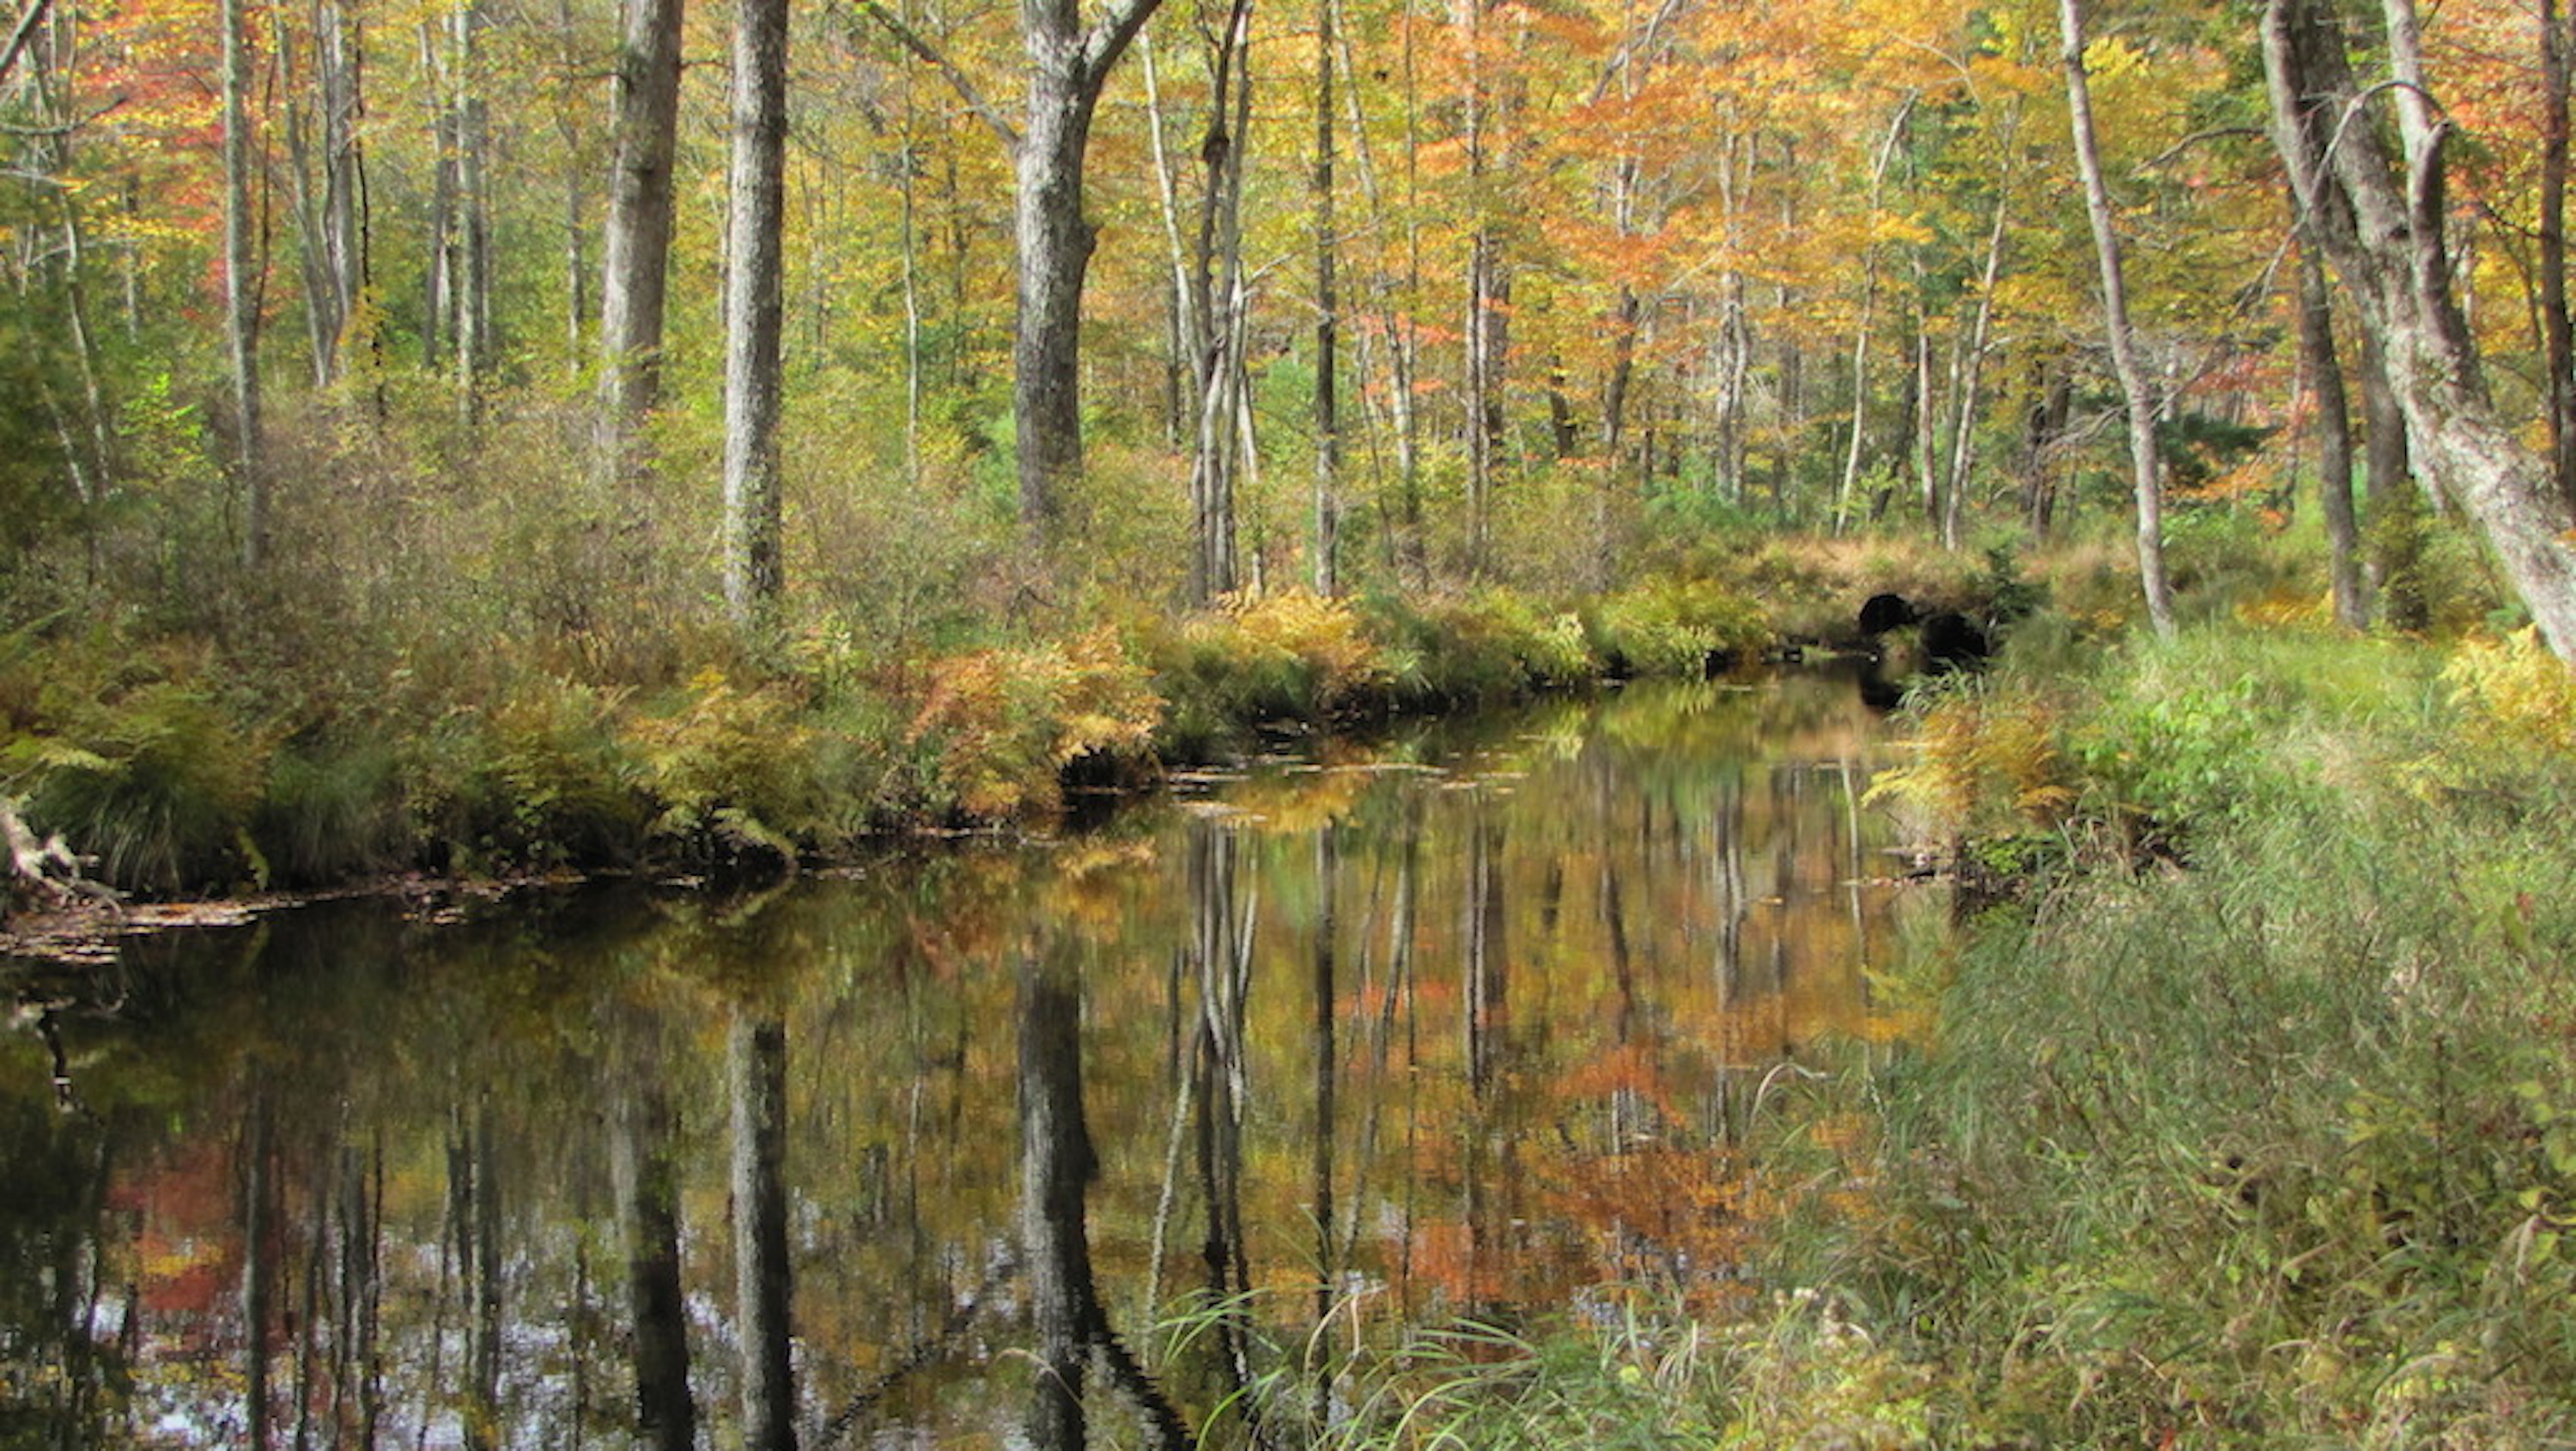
(2134, 387)
(636, 251)
(754, 311)
(2382, 218)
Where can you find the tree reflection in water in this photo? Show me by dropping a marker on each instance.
(1464, 1024)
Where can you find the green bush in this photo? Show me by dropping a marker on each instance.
(730, 769)
(1480, 647)
(538, 781)
(333, 810)
(1675, 626)
(158, 781)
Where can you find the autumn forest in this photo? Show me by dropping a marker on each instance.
(1717, 724)
(1362, 293)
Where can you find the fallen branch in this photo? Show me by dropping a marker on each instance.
(46, 872)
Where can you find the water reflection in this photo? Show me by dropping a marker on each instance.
(941, 1152)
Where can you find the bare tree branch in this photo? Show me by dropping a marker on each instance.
(1102, 44)
(25, 32)
(937, 59)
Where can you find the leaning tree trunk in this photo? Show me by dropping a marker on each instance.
(2115, 317)
(2383, 218)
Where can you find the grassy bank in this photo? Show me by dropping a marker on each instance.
(190, 764)
(2250, 1115)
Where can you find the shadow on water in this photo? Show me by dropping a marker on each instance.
(1030, 1144)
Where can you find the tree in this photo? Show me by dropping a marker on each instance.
(241, 292)
(635, 265)
(2384, 219)
(1219, 307)
(2134, 387)
(1328, 321)
(325, 156)
(754, 310)
(2333, 404)
(1067, 67)
(645, 1169)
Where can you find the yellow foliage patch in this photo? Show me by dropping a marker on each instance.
(1980, 758)
(2512, 693)
(1297, 630)
(1005, 723)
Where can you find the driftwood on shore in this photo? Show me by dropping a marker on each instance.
(44, 873)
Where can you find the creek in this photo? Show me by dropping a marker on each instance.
(976, 1145)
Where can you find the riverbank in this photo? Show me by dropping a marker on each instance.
(238, 762)
(2248, 1120)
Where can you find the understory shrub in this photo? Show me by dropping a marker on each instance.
(1482, 646)
(1675, 626)
(1000, 727)
(731, 770)
(1293, 655)
(2276, 1148)
(537, 781)
(141, 763)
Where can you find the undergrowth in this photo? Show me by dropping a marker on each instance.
(242, 758)
(2248, 1121)
(2263, 1141)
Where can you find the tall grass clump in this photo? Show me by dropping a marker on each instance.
(2273, 1148)
(1629, 1368)
(1676, 625)
(141, 761)
(1290, 656)
(1479, 647)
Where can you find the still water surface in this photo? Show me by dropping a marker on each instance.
(1464, 1023)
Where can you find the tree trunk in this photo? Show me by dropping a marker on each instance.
(241, 292)
(438, 275)
(1055, 244)
(1056, 1169)
(324, 151)
(1967, 374)
(1320, 1174)
(483, 1407)
(636, 252)
(1327, 576)
(259, 1268)
(2139, 394)
(2557, 329)
(475, 345)
(1856, 449)
(2385, 226)
(1217, 304)
(2334, 436)
(576, 198)
(754, 312)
